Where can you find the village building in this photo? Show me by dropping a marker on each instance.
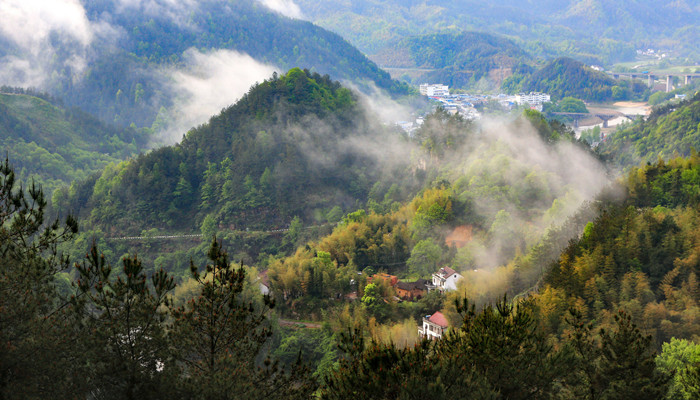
(434, 326)
(264, 283)
(445, 280)
(390, 279)
(412, 290)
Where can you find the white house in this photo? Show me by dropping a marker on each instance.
(445, 279)
(532, 98)
(433, 326)
(434, 90)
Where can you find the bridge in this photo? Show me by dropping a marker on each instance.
(651, 77)
(603, 116)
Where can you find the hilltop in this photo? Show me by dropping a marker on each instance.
(129, 65)
(600, 32)
(294, 146)
(566, 77)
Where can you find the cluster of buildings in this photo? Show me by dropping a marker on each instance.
(433, 326)
(465, 103)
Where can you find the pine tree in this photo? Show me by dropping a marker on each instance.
(218, 335)
(125, 338)
(36, 335)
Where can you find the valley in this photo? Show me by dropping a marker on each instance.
(225, 199)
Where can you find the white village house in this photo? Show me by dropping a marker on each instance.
(445, 280)
(433, 326)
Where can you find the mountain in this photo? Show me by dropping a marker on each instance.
(456, 59)
(669, 131)
(565, 77)
(55, 145)
(294, 146)
(602, 31)
(639, 254)
(137, 62)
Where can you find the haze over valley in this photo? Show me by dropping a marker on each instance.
(339, 199)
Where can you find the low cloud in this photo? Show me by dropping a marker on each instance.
(43, 36)
(285, 7)
(209, 83)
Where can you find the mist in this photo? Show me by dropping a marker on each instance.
(39, 33)
(287, 8)
(206, 84)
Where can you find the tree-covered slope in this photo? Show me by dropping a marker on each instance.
(565, 77)
(457, 58)
(55, 145)
(640, 254)
(670, 130)
(294, 145)
(600, 31)
(125, 66)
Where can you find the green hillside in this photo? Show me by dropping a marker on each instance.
(601, 32)
(56, 146)
(459, 59)
(639, 254)
(670, 130)
(565, 77)
(155, 42)
(293, 146)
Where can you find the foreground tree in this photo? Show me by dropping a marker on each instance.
(617, 364)
(497, 353)
(36, 334)
(218, 335)
(125, 339)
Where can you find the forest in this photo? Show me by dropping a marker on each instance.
(585, 283)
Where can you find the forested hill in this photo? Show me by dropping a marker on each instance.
(670, 130)
(291, 146)
(640, 255)
(601, 31)
(566, 77)
(55, 145)
(136, 50)
(460, 59)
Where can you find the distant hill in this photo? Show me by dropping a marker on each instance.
(601, 31)
(294, 145)
(134, 51)
(565, 77)
(55, 145)
(459, 59)
(669, 131)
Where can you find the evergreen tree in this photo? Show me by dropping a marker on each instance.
(125, 336)
(35, 328)
(218, 335)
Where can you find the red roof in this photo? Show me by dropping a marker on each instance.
(439, 319)
(446, 272)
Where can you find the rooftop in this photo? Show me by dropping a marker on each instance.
(439, 318)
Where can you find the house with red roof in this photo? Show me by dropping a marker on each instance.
(433, 326)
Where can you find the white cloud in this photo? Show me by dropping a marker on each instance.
(209, 83)
(285, 7)
(42, 36)
(28, 23)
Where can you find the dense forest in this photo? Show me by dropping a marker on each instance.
(128, 78)
(292, 245)
(55, 145)
(671, 130)
(599, 32)
(294, 147)
(565, 77)
(459, 60)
